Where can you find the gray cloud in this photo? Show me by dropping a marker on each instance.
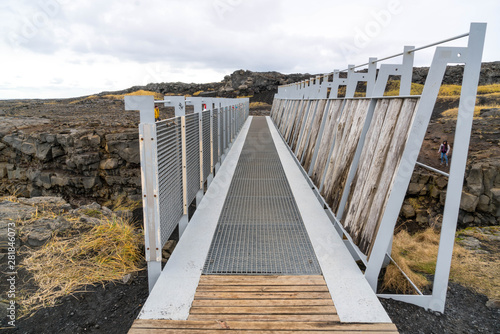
(194, 36)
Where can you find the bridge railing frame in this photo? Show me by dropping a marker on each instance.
(291, 97)
(165, 160)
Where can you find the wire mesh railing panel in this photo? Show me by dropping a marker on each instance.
(169, 150)
(215, 136)
(206, 144)
(192, 156)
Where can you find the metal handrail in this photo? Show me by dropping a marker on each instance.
(326, 75)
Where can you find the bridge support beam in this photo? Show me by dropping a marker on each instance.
(154, 271)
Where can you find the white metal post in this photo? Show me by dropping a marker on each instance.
(210, 107)
(178, 102)
(463, 129)
(184, 219)
(442, 57)
(149, 178)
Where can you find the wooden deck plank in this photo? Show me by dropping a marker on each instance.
(259, 295)
(204, 331)
(263, 288)
(261, 325)
(261, 302)
(266, 317)
(218, 331)
(261, 280)
(264, 310)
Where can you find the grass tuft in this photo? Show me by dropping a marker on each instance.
(123, 203)
(157, 96)
(392, 88)
(105, 253)
(416, 255)
(453, 112)
(259, 105)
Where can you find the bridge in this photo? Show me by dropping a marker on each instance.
(294, 213)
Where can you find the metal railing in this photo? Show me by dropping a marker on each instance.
(179, 159)
(336, 139)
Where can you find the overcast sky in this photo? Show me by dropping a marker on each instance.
(68, 48)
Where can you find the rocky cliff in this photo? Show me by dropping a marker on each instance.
(490, 74)
(261, 86)
(38, 157)
(479, 205)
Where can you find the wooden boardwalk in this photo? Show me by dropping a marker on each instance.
(260, 304)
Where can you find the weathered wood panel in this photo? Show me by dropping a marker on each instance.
(381, 155)
(326, 140)
(289, 117)
(275, 106)
(301, 145)
(366, 156)
(379, 160)
(347, 137)
(356, 218)
(298, 125)
(279, 112)
(393, 160)
(250, 327)
(298, 114)
(313, 137)
(293, 114)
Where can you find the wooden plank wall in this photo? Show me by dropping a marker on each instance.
(346, 140)
(307, 129)
(379, 161)
(336, 148)
(326, 140)
(313, 134)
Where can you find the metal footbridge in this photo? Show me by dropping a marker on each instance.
(288, 208)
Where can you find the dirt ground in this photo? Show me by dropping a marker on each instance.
(109, 308)
(113, 307)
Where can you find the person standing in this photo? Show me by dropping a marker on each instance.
(157, 114)
(444, 149)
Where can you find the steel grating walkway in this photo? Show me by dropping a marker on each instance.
(260, 230)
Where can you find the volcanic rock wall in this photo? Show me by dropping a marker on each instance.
(74, 163)
(479, 205)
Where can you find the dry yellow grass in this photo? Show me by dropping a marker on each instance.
(417, 254)
(450, 90)
(157, 96)
(65, 265)
(454, 90)
(84, 99)
(453, 112)
(197, 93)
(488, 89)
(123, 203)
(478, 270)
(259, 105)
(392, 88)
